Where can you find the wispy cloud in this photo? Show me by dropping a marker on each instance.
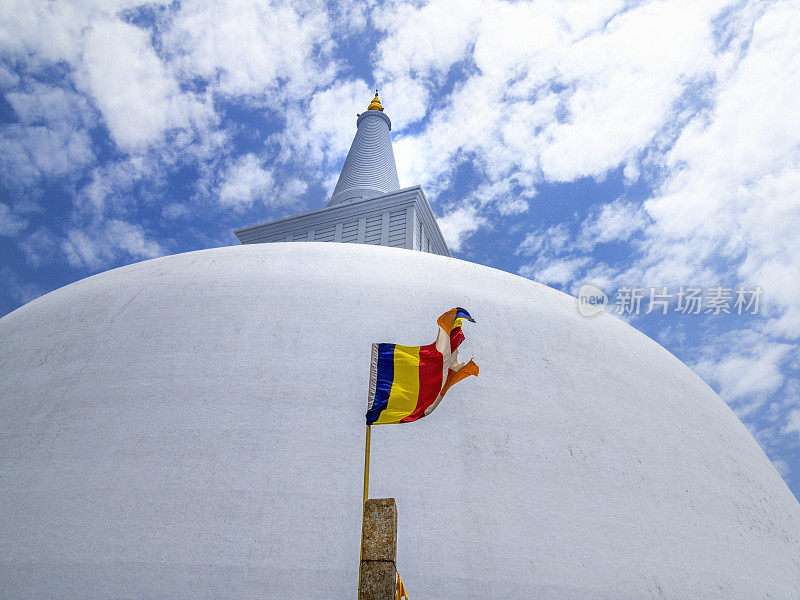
(114, 240)
(459, 223)
(245, 181)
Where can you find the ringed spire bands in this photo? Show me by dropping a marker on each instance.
(369, 170)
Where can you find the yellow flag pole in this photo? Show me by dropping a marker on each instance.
(364, 504)
(366, 465)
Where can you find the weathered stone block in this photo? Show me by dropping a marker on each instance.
(378, 580)
(380, 530)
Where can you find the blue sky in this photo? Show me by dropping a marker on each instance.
(631, 145)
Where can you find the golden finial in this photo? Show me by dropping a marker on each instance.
(376, 103)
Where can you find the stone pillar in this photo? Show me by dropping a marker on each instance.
(379, 550)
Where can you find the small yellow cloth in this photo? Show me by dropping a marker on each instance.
(401, 590)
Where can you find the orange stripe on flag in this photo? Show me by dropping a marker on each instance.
(454, 377)
(447, 320)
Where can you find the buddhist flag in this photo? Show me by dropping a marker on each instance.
(408, 382)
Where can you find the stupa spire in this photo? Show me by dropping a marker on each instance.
(367, 206)
(369, 169)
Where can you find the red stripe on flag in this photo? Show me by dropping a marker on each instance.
(456, 337)
(430, 380)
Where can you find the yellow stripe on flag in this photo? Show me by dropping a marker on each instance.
(405, 385)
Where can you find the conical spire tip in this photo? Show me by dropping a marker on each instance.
(376, 103)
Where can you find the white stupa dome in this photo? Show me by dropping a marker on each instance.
(193, 426)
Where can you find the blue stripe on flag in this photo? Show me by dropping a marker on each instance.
(385, 378)
(463, 314)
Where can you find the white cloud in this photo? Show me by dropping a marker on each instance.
(138, 97)
(252, 47)
(613, 222)
(107, 241)
(553, 240)
(28, 153)
(745, 366)
(782, 467)
(622, 98)
(554, 261)
(10, 224)
(407, 99)
(550, 271)
(42, 33)
(175, 210)
(245, 181)
(457, 224)
(8, 79)
(109, 186)
(292, 189)
(112, 61)
(17, 287)
(38, 247)
(793, 422)
(502, 194)
(38, 103)
(50, 137)
(426, 41)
